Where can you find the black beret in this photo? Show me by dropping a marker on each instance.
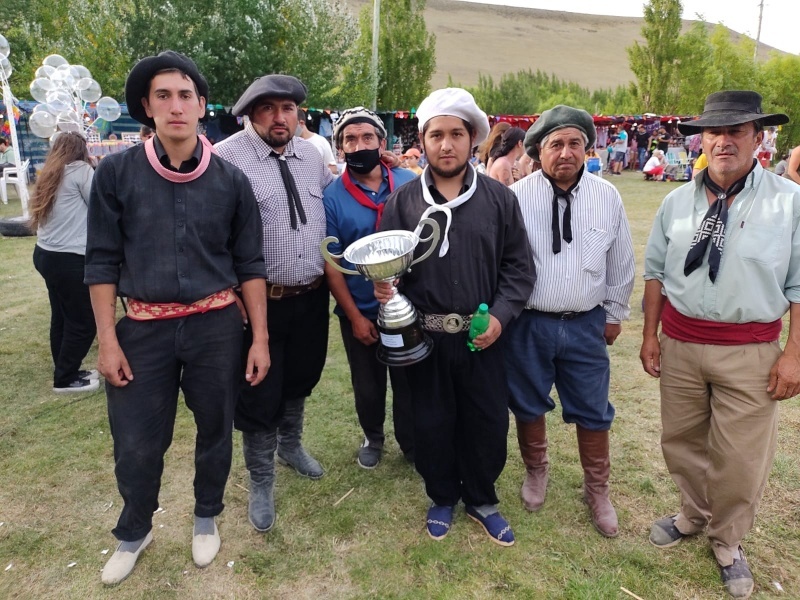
(138, 84)
(559, 117)
(275, 86)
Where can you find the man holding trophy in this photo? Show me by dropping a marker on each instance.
(459, 397)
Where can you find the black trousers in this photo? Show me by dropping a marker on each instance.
(200, 354)
(298, 345)
(72, 326)
(460, 401)
(368, 376)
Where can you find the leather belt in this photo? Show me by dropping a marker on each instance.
(559, 316)
(276, 291)
(452, 323)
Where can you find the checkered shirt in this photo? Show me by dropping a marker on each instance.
(292, 256)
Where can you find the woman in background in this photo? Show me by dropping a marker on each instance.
(58, 213)
(488, 147)
(506, 155)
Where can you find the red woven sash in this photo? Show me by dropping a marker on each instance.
(153, 311)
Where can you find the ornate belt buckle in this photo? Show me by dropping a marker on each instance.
(452, 323)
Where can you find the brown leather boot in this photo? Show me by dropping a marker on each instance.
(532, 439)
(593, 448)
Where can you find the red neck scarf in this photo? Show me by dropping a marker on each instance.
(174, 176)
(364, 200)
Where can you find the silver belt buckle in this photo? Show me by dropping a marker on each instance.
(452, 323)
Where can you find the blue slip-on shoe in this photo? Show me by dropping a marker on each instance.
(495, 526)
(438, 521)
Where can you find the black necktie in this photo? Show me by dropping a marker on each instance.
(567, 224)
(291, 191)
(712, 228)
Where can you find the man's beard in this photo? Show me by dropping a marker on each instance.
(448, 173)
(275, 142)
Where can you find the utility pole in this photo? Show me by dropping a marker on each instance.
(376, 31)
(758, 35)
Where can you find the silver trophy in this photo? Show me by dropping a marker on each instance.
(386, 256)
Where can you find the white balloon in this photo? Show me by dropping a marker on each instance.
(5, 65)
(84, 83)
(5, 47)
(69, 126)
(42, 124)
(60, 99)
(54, 60)
(45, 71)
(81, 71)
(39, 88)
(108, 109)
(91, 93)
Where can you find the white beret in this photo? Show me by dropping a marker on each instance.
(454, 102)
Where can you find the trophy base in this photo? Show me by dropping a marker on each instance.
(404, 346)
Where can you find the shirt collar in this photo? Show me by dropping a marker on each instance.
(187, 166)
(701, 200)
(468, 175)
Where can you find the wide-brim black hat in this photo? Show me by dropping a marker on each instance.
(274, 86)
(732, 107)
(137, 85)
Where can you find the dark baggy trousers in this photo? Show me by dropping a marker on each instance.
(368, 377)
(460, 401)
(201, 355)
(72, 326)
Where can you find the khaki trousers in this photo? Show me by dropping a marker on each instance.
(719, 435)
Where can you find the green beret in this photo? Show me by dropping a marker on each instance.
(559, 117)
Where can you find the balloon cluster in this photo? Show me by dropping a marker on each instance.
(5, 65)
(64, 91)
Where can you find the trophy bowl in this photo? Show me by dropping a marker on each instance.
(386, 256)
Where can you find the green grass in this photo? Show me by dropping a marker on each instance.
(58, 497)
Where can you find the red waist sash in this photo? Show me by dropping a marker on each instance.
(150, 311)
(699, 331)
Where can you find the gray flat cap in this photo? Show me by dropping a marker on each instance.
(275, 86)
(559, 117)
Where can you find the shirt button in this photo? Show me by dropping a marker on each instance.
(179, 200)
(181, 275)
(180, 249)
(455, 282)
(180, 223)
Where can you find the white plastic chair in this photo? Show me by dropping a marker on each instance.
(18, 177)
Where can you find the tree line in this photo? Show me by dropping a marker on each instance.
(232, 42)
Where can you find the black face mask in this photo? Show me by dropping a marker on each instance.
(363, 161)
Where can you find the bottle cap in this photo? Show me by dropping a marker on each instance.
(483, 307)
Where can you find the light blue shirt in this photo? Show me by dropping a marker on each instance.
(759, 273)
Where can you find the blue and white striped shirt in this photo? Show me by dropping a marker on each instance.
(597, 267)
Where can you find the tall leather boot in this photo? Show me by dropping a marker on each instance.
(593, 449)
(532, 439)
(290, 450)
(259, 458)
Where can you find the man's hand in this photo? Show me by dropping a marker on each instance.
(383, 291)
(488, 337)
(365, 331)
(650, 355)
(257, 362)
(612, 332)
(113, 365)
(784, 377)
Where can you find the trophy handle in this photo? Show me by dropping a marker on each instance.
(329, 257)
(434, 236)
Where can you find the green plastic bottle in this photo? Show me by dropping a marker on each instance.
(478, 325)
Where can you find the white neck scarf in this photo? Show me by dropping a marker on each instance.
(446, 208)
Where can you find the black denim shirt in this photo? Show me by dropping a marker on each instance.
(489, 259)
(160, 241)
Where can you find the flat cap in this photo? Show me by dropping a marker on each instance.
(559, 117)
(137, 86)
(454, 102)
(275, 86)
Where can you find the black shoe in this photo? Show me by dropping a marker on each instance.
(369, 456)
(737, 578)
(664, 533)
(77, 386)
(90, 374)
